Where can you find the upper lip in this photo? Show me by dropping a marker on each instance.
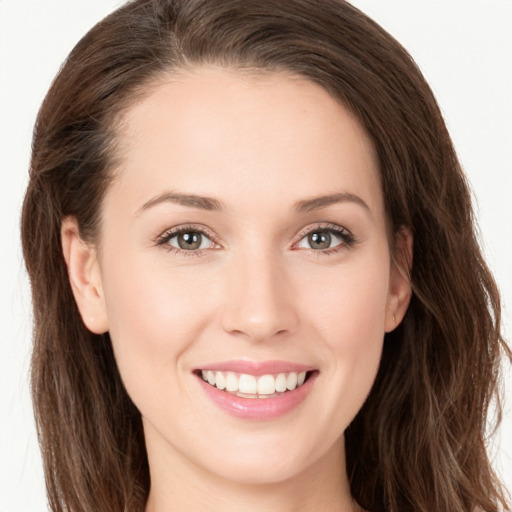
(257, 368)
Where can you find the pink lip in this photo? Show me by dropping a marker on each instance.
(257, 368)
(258, 408)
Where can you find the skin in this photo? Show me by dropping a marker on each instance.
(256, 289)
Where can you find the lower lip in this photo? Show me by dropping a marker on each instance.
(258, 408)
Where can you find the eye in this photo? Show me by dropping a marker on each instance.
(319, 240)
(326, 239)
(189, 241)
(186, 240)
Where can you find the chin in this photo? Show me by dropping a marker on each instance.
(252, 472)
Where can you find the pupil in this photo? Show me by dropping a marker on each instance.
(189, 241)
(319, 240)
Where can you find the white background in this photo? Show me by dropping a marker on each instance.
(464, 49)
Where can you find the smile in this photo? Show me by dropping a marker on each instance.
(255, 391)
(250, 386)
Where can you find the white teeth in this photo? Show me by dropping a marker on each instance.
(231, 382)
(220, 380)
(250, 386)
(291, 381)
(281, 382)
(266, 385)
(247, 384)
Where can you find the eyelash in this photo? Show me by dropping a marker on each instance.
(164, 238)
(348, 240)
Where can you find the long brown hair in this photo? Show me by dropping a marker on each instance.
(418, 443)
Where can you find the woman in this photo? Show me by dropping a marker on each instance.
(333, 343)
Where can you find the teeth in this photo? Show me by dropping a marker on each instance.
(247, 384)
(231, 382)
(281, 382)
(220, 380)
(250, 386)
(291, 381)
(266, 385)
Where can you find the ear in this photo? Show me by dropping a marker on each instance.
(400, 285)
(84, 277)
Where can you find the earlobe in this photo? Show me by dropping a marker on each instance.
(400, 284)
(84, 277)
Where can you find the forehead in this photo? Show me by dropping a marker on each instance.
(244, 138)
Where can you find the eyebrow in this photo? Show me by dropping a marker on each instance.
(190, 200)
(214, 205)
(323, 201)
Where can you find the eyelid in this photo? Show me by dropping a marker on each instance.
(163, 238)
(348, 239)
(346, 236)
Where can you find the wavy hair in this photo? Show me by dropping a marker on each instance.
(419, 442)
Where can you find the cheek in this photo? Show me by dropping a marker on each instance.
(349, 323)
(154, 317)
(350, 307)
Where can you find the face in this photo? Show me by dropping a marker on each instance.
(245, 234)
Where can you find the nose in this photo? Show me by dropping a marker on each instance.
(259, 300)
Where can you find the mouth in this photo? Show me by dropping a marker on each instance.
(250, 386)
